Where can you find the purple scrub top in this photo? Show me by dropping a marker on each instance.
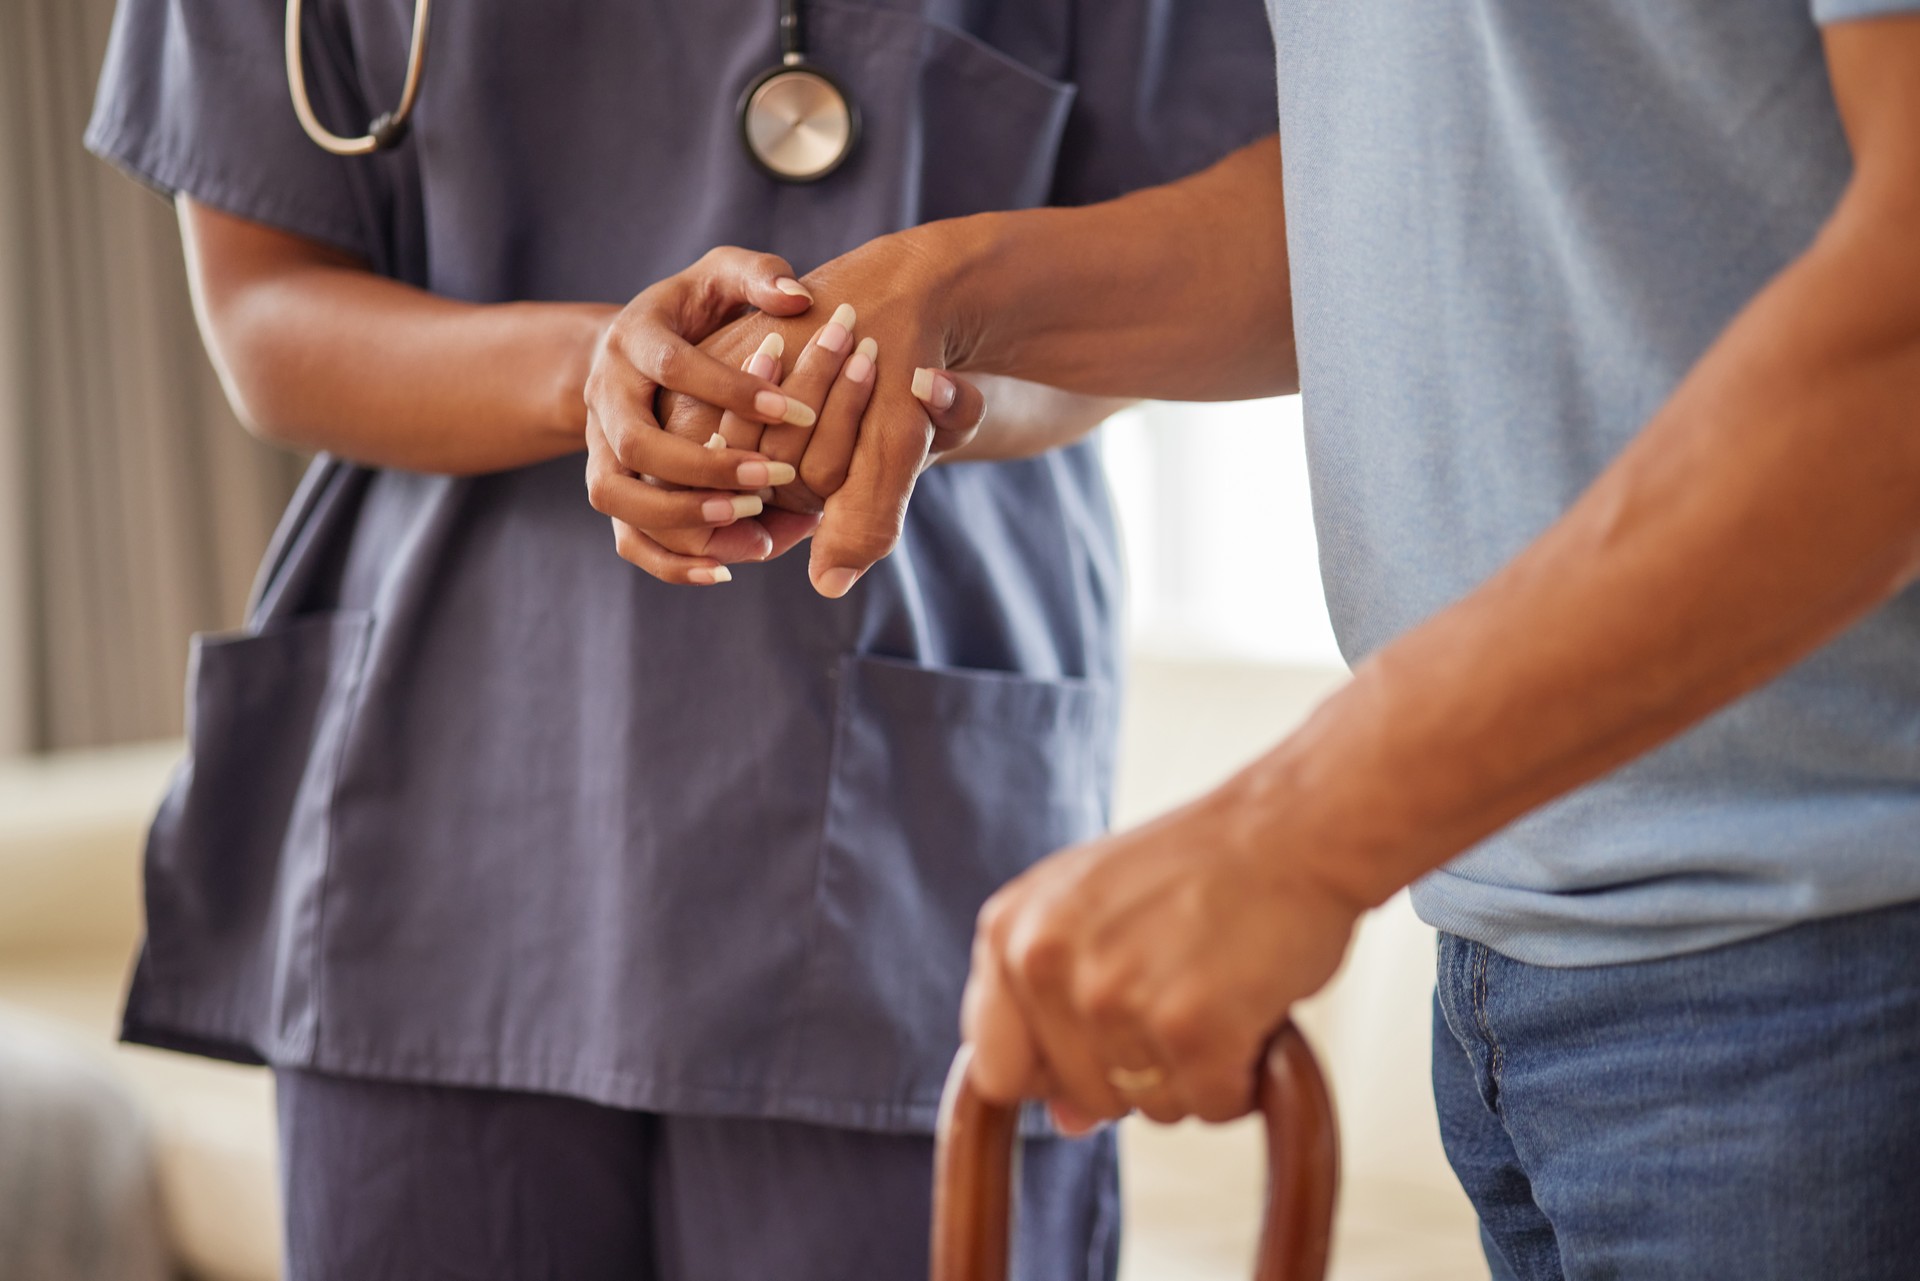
(470, 800)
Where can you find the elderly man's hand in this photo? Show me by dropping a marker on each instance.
(1148, 969)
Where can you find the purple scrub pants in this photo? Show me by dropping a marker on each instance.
(389, 1182)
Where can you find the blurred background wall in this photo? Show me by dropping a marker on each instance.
(132, 506)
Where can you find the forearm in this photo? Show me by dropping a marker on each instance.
(1773, 502)
(1027, 419)
(1177, 292)
(322, 354)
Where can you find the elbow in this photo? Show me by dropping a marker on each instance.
(256, 359)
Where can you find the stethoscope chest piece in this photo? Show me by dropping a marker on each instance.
(798, 124)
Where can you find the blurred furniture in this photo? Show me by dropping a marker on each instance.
(79, 1193)
(71, 829)
(70, 833)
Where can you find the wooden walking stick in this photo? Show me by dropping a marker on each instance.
(974, 1172)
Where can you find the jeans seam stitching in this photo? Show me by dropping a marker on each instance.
(1498, 1065)
(1495, 1056)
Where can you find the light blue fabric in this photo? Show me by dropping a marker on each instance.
(1514, 227)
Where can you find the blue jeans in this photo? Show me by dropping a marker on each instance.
(1749, 1112)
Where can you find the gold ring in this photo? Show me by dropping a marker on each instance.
(1135, 1080)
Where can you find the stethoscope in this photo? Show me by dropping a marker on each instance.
(796, 122)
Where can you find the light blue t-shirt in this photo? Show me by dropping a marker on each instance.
(1514, 227)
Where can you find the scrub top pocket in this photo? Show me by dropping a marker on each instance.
(945, 784)
(237, 856)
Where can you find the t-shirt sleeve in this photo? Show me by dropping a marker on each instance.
(1166, 87)
(193, 99)
(1825, 11)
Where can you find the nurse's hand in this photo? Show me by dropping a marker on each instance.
(861, 460)
(679, 509)
(1147, 970)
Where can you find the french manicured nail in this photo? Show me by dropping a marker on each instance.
(860, 368)
(792, 288)
(765, 362)
(716, 441)
(720, 511)
(935, 389)
(839, 331)
(836, 583)
(708, 577)
(763, 475)
(771, 404)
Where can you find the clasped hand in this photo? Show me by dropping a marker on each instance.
(734, 410)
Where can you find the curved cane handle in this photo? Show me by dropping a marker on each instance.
(974, 1172)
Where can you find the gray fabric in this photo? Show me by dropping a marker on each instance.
(400, 1182)
(131, 506)
(79, 1200)
(473, 801)
(1514, 227)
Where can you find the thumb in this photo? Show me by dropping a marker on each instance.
(769, 283)
(713, 289)
(955, 407)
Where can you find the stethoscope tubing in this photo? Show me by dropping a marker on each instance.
(385, 131)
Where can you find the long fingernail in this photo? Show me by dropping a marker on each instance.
(793, 288)
(762, 475)
(860, 368)
(771, 404)
(835, 583)
(838, 331)
(721, 511)
(935, 389)
(707, 577)
(716, 441)
(765, 362)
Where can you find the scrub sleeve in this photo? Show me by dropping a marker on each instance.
(194, 101)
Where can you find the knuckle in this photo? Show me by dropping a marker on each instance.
(823, 476)
(667, 359)
(599, 489)
(1107, 998)
(627, 543)
(1161, 1111)
(1217, 1105)
(1182, 1027)
(995, 919)
(869, 540)
(1042, 956)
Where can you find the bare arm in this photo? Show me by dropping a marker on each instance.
(319, 353)
(1178, 292)
(1771, 503)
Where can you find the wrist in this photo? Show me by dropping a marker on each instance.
(979, 308)
(578, 331)
(1322, 810)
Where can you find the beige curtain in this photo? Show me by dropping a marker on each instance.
(133, 508)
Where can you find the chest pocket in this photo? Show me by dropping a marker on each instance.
(949, 126)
